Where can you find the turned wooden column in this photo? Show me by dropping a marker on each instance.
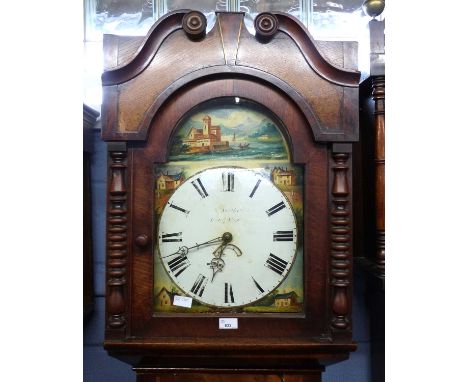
(375, 293)
(116, 236)
(378, 95)
(377, 75)
(341, 218)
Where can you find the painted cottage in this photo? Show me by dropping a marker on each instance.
(283, 177)
(286, 299)
(164, 299)
(168, 182)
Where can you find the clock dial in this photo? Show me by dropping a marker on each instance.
(227, 237)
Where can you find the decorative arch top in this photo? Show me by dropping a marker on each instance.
(163, 27)
(230, 25)
(281, 53)
(308, 47)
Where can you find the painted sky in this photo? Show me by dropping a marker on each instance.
(238, 119)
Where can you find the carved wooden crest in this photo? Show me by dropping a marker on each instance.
(282, 54)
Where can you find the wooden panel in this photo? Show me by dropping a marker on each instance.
(174, 59)
(297, 73)
(342, 54)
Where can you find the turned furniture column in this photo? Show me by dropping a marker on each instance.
(116, 235)
(375, 294)
(378, 95)
(377, 74)
(341, 233)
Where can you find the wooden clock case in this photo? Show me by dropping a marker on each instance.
(150, 84)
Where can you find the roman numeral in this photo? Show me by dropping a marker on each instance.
(255, 188)
(275, 208)
(276, 264)
(179, 264)
(228, 295)
(199, 286)
(199, 187)
(258, 286)
(179, 208)
(171, 237)
(283, 236)
(228, 181)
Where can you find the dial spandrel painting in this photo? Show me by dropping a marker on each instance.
(228, 210)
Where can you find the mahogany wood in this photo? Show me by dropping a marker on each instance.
(167, 56)
(153, 83)
(341, 233)
(378, 94)
(117, 212)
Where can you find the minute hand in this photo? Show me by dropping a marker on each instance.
(184, 250)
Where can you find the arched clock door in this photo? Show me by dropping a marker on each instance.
(229, 219)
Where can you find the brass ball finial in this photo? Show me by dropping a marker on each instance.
(373, 8)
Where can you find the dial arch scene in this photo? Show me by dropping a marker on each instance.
(228, 210)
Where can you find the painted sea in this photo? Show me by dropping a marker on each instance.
(229, 132)
(237, 150)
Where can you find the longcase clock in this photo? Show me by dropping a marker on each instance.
(229, 216)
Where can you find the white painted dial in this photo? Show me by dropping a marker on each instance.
(227, 237)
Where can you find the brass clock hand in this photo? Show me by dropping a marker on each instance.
(184, 250)
(227, 238)
(217, 264)
(218, 252)
(235, 248)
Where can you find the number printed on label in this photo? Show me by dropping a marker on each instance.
(228, 323)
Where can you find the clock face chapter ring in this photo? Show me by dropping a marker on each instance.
(227, 237)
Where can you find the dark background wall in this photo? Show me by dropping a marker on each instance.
(99, 367)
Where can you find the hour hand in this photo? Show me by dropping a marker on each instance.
(216, 264)
(218, 252)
